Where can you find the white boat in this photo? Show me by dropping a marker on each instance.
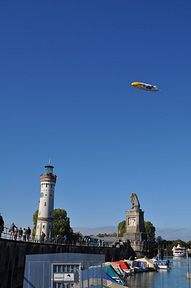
(179, 251)
(161, 264)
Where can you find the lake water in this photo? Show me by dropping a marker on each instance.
(174, 278)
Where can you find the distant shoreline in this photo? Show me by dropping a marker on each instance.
(183, 234)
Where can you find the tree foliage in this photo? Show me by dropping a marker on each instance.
(159, 239)
(121, 228)
(35, 217)
(181, 242)
(61, 224)
(149, 227)
(150, 230)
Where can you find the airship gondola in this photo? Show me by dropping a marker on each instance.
(145, 86)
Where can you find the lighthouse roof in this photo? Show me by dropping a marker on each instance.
(49, 166)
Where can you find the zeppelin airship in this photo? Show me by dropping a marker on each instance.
(145, 86)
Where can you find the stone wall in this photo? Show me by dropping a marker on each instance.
(12, 257)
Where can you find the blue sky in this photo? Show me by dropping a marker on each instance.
(65, 74)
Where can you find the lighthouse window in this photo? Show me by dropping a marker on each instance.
(44, 203)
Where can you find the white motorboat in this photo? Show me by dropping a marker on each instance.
(161, 264)
(179, 251)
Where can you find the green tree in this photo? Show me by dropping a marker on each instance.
(181, 242)
(159, 239)
(61, 224)
(121, 228)
(35, 217)
(150, 230)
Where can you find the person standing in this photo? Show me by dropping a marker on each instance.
(1, 225)
(28, 233)
(20, 233)
(24, 234)
(42, 237)
(15, 233)
(11, 230)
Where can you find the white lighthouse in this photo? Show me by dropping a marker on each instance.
(46, 203)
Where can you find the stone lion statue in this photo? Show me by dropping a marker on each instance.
(134, 201)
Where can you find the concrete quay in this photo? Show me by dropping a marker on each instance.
(12, 257)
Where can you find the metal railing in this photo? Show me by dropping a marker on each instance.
(16, 236)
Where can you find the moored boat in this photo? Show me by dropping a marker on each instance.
(179, 251)
(162, 264)
(146, 264)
